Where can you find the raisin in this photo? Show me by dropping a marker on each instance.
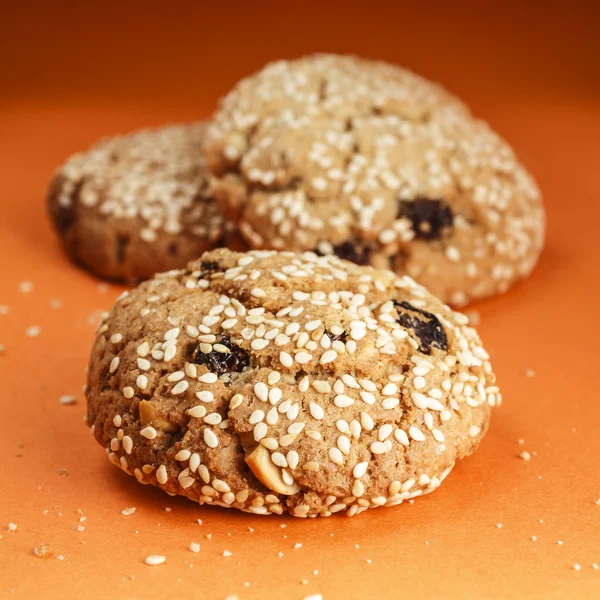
(342, 337)
(353, 250)
(429, 218)
(424, 325)
(236, 360)
(208, 266)
(121, 248)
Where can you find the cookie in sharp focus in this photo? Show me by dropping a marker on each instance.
(368, 161)
(136, 205)
(274, 382)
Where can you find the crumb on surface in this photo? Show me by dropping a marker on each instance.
(42, 551)
(128, 511)
(194, 547)
(525, 456)
(33, 331)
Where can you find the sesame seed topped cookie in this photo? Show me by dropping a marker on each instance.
(368, 161)
(274, 382)
(135, 205)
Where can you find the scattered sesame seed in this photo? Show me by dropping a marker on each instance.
(67, 400)
(128, 511)
(33, 331)
(155, 559)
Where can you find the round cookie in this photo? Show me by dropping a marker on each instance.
(135, 205)
(371, 162)
(274, 382)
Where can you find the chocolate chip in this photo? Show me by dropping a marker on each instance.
(429, 218)
(424, 325)
(353, 250)
(236, 360)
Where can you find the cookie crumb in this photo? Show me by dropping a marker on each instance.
(368, 561)
(314, 597)
(155, 559)
(33, 331)
(304, 581)
(226, 553)
(315, 572)
(42, 551)
(595, 566)
(499, 525)
(597, 502)
(534, 538)
(25, 287)
(128, 511)
(209, 536)
(525, 456)
(67, 399)
(297, 545)
(199, 521)
(280, 554)
(195, 547)
(577, 567)
(251, 529)
(60, 557)
(80, 528)
(560, 542)
(12, 527)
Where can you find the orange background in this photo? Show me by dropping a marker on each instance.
(70, 73)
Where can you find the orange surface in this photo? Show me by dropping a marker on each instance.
(69, 76)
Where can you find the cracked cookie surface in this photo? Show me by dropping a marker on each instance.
(135, 205)
(275, 382)
(375, 164)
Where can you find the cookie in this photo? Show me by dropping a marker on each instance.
(275, 382)
(379, 166)
(135, 205)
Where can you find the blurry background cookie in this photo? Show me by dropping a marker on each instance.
(135, 205)
(373, 163)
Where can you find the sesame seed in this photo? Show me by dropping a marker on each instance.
(155, 559)
(205, 396)
(148, 432)
(67, 400)
(261, 391)
(416, 434)
(179, 388)
(328, 356)
(210, 438)
(316, 411)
